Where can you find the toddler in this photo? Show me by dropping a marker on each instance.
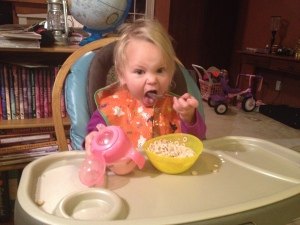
(140, 102)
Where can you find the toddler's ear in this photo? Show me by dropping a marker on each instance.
(121, 80)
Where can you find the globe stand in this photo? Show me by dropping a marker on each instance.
(99, 17)
(94, 35)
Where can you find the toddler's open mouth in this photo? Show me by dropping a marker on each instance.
(150, 97)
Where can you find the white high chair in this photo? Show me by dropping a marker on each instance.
(235, 181)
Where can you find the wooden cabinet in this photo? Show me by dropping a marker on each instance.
(275, 63)
(274, 69)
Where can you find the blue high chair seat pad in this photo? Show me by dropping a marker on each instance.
(76, 101)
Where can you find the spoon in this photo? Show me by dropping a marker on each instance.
(155, 122)
(154, 95)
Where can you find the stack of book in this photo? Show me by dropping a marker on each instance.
(25, 93)
(16, 37)
(21, 146)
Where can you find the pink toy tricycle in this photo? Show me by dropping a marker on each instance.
(233, 96)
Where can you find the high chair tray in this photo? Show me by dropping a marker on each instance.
(236, 180)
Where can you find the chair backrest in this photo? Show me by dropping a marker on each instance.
(85, 71)
(77, 63)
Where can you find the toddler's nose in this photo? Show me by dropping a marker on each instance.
(151, 78)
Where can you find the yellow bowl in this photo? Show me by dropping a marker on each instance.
(169, 164)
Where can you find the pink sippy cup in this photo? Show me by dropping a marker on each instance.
(117, 150)
(109, 147)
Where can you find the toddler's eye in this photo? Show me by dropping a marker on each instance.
(139, 71)
(161, 70)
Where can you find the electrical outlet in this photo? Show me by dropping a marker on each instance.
(278, 85)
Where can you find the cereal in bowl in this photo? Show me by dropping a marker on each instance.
(170, 149)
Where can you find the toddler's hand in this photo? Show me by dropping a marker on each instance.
(122, 166)
(185, 106)
(89, 138)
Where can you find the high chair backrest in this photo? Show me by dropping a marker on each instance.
(85, 71)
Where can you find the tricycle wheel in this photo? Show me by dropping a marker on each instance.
(221, 108)
(210, 102)
(248, 104)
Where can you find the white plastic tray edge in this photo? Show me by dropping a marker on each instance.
(43, 216)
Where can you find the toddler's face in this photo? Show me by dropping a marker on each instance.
(145, 71)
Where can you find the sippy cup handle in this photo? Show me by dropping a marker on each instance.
(138, 158)
(92, 171)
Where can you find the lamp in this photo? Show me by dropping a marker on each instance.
(57, 20)
(275, 25)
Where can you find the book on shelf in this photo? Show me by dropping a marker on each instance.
(50, 82)
(19, 43)
(31, 153)
(15, 90)
(21, 131)
(26, 90)
(24, 138)
(26, 147)
(38, 91)
(2, 93)
(32, 75)
(25, 157)
(12, 27)
(28, 130)
(21, 96)
(12, 94)
(19, 39)
(5, 92)
(46, 92)
(21, 34)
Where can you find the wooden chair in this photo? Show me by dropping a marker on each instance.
(59, 83)
(85, 71)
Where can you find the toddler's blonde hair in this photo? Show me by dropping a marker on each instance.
(148, 30)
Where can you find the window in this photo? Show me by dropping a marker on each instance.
(141, 9)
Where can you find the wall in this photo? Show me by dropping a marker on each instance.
(162, 12)
(254, 31)
(257, 22)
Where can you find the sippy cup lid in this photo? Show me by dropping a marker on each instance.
(112, 143)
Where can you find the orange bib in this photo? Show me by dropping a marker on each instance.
(140, 123)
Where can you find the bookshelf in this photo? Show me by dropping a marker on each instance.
(55, 55)
(25, 123)
(47, 56)
(50, 55)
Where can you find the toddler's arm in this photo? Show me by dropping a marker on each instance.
(191, 120)
(197, 129)
(96, 119)
(92, 129)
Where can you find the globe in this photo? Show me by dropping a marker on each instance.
(99, 16)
